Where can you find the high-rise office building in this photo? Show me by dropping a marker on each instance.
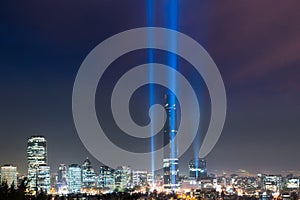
(139, 178)
(272, 182)
(197, 169)
(43, 177)
(89, 178)
(74, 178)
(62, 177)
(292, 183)
(9, 175)
(123, 178)
(170, 162)
(170, 168)
(37, 164)
(106, 178)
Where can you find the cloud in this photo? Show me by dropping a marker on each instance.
(256, 45)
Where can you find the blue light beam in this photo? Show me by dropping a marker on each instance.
(172, 62)
(151, 86)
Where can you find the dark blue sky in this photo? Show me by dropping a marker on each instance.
(256, 46)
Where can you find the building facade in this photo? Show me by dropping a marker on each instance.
(43, 178)
(106, 178)
(171, 173)
(74, 178)
(123, 178)
(9, 175)
(62, 179)
(139, 178)
(89, 178)
(197, 169)
(272, 183)
(37, 164)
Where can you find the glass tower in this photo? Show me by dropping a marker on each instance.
(139, 178)
(123, 178)
(88, 175)
(106, 178)
(43, 177)
(37, 164)
(74, 178)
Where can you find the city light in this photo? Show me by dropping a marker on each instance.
(82, 179)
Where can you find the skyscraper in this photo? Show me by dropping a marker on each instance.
(272, 182)
(74, 178)
(170, 168)
(88, 174)
(9, 175)
(106, 178)
(139, 178)
(43, 177)
(170, 162)
(123, 178)
(197, 169)
(62, 177)
(37, 164)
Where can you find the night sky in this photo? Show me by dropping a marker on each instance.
(255, 44)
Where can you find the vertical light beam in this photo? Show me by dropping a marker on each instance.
(151, 87)
(172, 62)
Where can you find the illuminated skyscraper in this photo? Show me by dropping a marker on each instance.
(123, 178)
(88, 175)
(139, 178)
(37, 164)
(197, 169)
(292, 183)
(106, 178)
(170, 162)
(272, 182)
(43, 177)
(171, 173)
(62, 177)
(9, 175)
(74, 178)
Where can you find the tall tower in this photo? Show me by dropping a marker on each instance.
(170, 162)
(38, 170)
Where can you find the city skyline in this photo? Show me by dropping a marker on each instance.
(83, 179)
(41, 159)
(257, 56)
